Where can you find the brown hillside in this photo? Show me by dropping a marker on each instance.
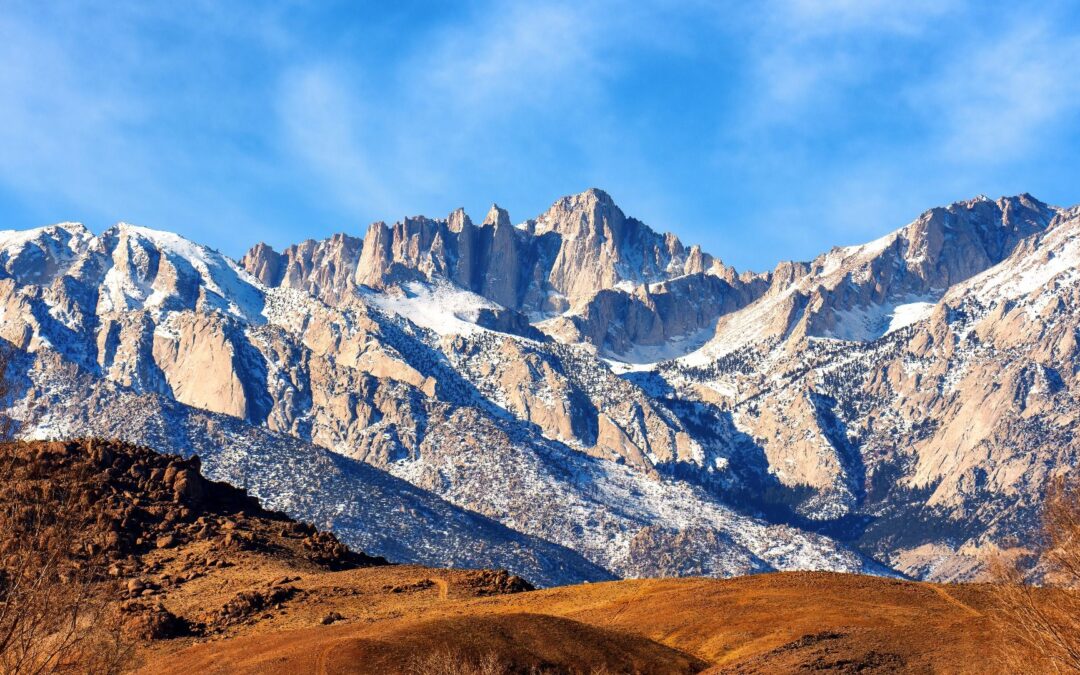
(212, 583)
(760, 624)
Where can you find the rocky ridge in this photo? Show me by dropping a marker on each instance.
(810, 412)
(138, 502)
(597, 274)
(163, 534)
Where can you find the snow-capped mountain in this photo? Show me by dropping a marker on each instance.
(578, 397)
(581, 271)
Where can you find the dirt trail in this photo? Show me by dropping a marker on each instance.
(324, 655)
(444, 587)
(953, 601)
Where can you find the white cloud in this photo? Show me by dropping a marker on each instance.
(325, 126)
(531, 54)
(1002, 97)
(829, 17)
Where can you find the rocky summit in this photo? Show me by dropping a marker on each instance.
(578, 397)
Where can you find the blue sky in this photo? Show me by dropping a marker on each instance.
(763, 131)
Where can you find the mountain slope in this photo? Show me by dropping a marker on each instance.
(367, 508)
(769, 623)
(903, 401)
(150, 322)
(932, 444)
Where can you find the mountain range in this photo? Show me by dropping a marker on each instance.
(578, 397)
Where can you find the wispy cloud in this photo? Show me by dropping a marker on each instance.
(469, 94)
(1001, 98)
(791, 119)
(325, 126)
(831, 17)
(53, 134)
(863, 113)
(807, 52)
(526, 55)
(92, 113)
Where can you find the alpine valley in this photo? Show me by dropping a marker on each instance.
(577, 397)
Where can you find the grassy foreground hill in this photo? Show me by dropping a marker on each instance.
(201, 579)
(785, 622)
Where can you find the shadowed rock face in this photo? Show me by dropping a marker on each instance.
(137, 503)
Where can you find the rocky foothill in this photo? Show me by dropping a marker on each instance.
(157, 524)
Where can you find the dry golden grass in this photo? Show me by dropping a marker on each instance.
(760, 624)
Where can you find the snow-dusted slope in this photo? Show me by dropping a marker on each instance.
(161, 271)
(516, 429)
(860, 293)
(40, 254)
(904, 400)
(932, 444)
(1039, 266)
(370, 509)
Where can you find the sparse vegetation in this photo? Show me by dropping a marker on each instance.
(57, 609)
(1045, 618)
(455, 662)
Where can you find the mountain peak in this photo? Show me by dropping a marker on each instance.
(597, 194)
(458, 220)
(1024, 198)
(592, 198)
(591, 213)
(166, 241)
(71, 226)
(497, 216)
(41, 253)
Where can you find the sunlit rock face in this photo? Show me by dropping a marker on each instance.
(586, 388)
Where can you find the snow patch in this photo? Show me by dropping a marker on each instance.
(646, 357)
(440, 307)
(868, 323)
(909, 313)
